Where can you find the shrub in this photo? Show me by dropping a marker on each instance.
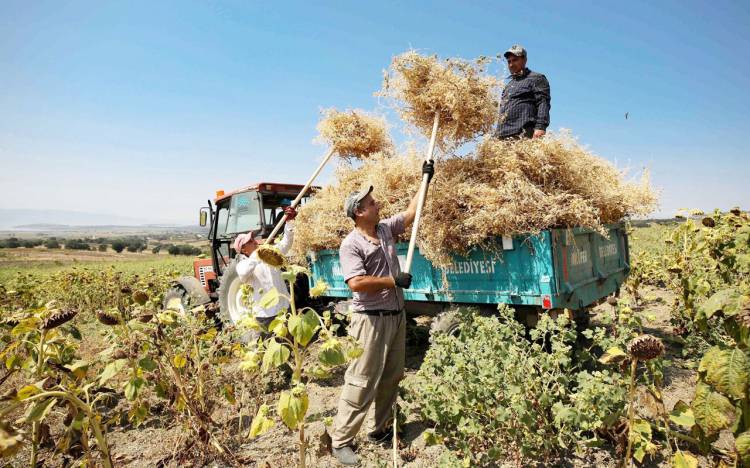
(135, 245)
(183, 249)
(76, 244)
(492, 393)
(118, 246)
(10, 243)
(102, 247)
(31, 243)
(52, 244)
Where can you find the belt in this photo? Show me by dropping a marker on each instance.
(380, 313)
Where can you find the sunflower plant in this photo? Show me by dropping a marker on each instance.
(289, 341)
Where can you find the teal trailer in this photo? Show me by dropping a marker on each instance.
(566, 268)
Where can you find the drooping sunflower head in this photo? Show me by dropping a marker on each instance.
(646, 347)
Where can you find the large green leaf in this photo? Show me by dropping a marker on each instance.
(147, 364)
(250, 362)
(269, 299)
(726, 370)
(724, 301)
(25, 326)
(133, 387)
(292, 406)
(713, 411)
(39, 411)
(28, 391)
(684, 460)
(640, 434)
(111, 370)
(276, 354)
(303, 327)
(742, 443)
(331, 353)
(278, 326)
(261, 423)
(682, 415)
(614, 354)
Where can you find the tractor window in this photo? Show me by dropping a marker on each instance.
(222, 216)
(273, 206)
(244, 213)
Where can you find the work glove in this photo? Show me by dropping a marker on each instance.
(290, 213)
(428, 167)
(403, 280)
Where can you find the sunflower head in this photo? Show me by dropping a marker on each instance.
(270, 255)
(646, 347)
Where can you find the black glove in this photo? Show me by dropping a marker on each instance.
(428, 167)
(403, 280)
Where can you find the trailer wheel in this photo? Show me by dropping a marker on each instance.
(177, 299)
(232, 310)
(445, 322)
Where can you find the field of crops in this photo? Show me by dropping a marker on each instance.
(96, 372)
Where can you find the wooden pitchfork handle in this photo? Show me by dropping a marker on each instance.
(302, 193)
(422, 196)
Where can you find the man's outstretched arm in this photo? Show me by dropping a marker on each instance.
(411, 211)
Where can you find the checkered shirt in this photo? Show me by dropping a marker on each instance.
(525, 102)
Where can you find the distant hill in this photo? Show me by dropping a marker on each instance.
(11, 219)
(143, 228)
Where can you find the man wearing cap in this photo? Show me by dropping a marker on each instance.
(262, 277)
(525, 103)
(371, 270)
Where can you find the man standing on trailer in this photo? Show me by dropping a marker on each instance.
(525, 103)
(371, 270)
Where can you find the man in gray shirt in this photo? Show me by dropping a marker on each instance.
(370, 267)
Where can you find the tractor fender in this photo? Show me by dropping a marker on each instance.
(196, 294)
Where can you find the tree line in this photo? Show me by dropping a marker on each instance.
(130, 244)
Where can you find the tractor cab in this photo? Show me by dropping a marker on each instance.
(256, 208)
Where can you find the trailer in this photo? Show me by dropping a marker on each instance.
(557, 269)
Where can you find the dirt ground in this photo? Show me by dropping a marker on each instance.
(158, 441)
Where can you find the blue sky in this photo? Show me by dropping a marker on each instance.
(144, 109)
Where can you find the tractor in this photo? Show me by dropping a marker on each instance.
(255, 208)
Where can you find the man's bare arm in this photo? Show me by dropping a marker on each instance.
(428, 168)
(411, 210)
(370, 283)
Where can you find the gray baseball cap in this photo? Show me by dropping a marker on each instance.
(352, 201)
(516, 50)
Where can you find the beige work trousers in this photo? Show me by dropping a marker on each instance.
(372, 376)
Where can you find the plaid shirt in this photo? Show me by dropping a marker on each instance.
(525, 103)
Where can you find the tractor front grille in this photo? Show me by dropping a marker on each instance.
(202, 270)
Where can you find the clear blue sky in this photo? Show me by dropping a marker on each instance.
(144, 109)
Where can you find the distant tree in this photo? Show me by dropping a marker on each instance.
(31, 243)
(76, 244)
(156, 249)
(118, 245)
(102, 247)
(135, 245)
(183, 249)
(10, 243)
(52, 243)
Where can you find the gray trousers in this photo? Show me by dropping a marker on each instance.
(374, 376)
